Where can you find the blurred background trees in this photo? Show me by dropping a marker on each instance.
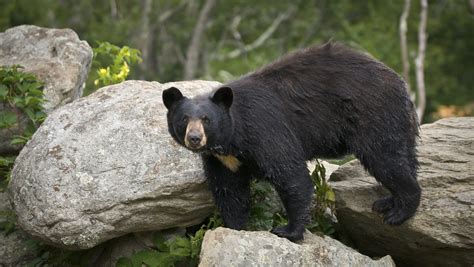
(221, 40)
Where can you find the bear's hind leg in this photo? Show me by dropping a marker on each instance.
(398, 175)
(231, 192)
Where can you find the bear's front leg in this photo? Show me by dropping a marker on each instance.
(231, 192)
(295, 189)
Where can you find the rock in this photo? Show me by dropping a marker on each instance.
(351, 169)
(442, 231)
(105, 165)
(14, 248)
(56, 56)
(108, 253)
(226, 247)
(111, 251)
(330, 168)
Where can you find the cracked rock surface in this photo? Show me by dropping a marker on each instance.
(105, 165)
(226, 247)
(442, 231)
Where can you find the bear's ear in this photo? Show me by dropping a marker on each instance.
(171, 96)
(223, 96)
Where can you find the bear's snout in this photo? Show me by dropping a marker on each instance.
(195, 137)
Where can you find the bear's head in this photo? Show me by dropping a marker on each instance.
(200, 123)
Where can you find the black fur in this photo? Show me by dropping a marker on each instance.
(324, 101)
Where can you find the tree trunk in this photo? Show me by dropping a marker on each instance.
(192, 54)
(403, 44)
(113, 9)
(145, 38)
(420, 58)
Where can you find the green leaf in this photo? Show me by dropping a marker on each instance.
(180, 247)
(18, 141)
(30, 114)
(36, 92)
(18, 101)
(3, 91)
(330, 195)
(196, 242)
(8, 119)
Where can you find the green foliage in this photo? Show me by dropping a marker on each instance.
(324, 202)
(21, 94)
(261, 216)
(6, 164)
(112, 63)
(174, 251)
(21, 99)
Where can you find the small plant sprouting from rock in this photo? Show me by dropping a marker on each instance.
(112, 63)
(324, 202)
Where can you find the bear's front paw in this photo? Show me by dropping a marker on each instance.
(288, 233)
(383, 205)
(395, 210)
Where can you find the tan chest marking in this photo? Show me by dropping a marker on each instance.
(231, 162)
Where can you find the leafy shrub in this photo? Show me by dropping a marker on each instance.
(263, 213)
(322, 217)
(20, 94)
(112, 63)
(178, 250)
(21, 99)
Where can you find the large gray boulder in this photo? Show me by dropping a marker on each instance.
(226, 247)
(105, 165)
(56, 56)
(442, 231)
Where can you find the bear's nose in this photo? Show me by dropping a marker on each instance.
(194, 138)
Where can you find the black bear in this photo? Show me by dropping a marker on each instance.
(324, 101)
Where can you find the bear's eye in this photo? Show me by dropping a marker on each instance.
(185, 119)
(205, 120)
